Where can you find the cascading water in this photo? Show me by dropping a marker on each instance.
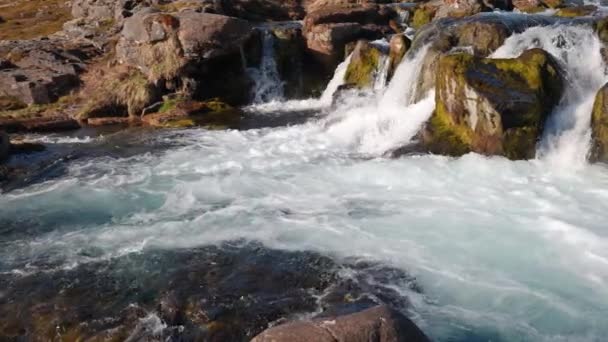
(567, 134)
(502, 250)
(268, 83)
(374, 123)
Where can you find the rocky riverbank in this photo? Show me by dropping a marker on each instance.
(133, 66)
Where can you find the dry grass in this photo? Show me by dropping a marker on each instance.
(27, 19)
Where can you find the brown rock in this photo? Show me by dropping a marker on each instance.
(380, 324)
(4, 145)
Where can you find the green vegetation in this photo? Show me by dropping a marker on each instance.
(27, 19)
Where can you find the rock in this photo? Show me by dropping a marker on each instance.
(98, 10)
(599, 127)
(528, 6)
(4, 145)
(190, 52)
(41, 71)
(24, 147)
(476, 111)
(399, 45)
(364, 62)
(380, 324)
(422, 16)
(43, 124)
(8, 103)
(480, 34)
(578, 11)
(265, 10)
(289, 56)
(329, 29)
(178, 113)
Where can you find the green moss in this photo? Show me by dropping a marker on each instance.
(601, 28)
(363, 65)
(422, 16)
(573, 12)
(599, 127)
(10, 103)
(444, 136)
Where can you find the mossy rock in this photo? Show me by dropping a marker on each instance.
(483, 37)
(578, 11)
(364, 62)
(399, 46)
(422, 16)
(182, 113)
(492, 106)
(601, 28)
(599, 127)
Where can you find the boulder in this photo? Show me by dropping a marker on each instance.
(99, 10)
(180, 113)
(363, 66)
(528, 6)
(492, 106)
(599, 127)
(195, 53)
(379, 323)
(576, 11)
(329, 29)
(480, 34)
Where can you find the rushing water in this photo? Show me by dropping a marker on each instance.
(503, 250)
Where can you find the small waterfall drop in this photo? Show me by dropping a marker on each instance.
(336, 81)
(374, 123)
(381, 76)
(566, 139)
(268, 83)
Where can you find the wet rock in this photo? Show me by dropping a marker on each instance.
(179, 113)
(399, 45)
(329, 29)
(475, 109)
(289, 56)
(599, 127)
(41, 124)
(4, 145)
(364, 62)
(480, 34)
(528, 6)
(578, 11)
(231, 292)
(376, 324)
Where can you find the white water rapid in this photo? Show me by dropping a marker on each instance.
(502, 250)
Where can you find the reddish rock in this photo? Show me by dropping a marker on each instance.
(380, 324)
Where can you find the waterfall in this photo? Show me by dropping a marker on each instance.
(381, 76)
(374, 123)
(268, 83)
(336, 81)
(566, 139)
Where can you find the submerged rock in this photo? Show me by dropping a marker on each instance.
(380, 324)
(177, 113)
(599, 127)
(492, 106)
(231, 292)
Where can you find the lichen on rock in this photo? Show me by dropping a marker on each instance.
(476, 110)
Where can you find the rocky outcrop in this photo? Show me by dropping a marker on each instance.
(328, 29)
(41, 71)
(480, 34)
(179, 113)
(265, 10)
(599, 127)
(380, 324)
(195, 53)
(101, 10)
(476, 110)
